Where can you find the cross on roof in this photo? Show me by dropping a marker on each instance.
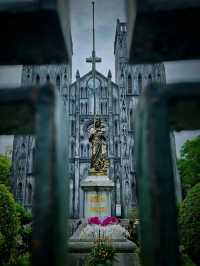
(93, 59)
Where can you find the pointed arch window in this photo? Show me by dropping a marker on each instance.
(58, 81)
(149, 79)
(48, 78)
(158, 77)
(19, 193)
(86, 92)
(129, 84)
(105, 108)
(37, 79)
(116, 149)
(72, 149)
(131, 120)
(82, 150)
(101, 107)
(88, 150)
(139, 83)
(72, 127)
(30, 192)
(81, 90)
(86, 108)
(116, 128)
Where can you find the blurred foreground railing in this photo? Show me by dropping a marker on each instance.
(162, 31)
(38, 32)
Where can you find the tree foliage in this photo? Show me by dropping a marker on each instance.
(5, 167)
(189, 223)
(8, 224)
(189, 164)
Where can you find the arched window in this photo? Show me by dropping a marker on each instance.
(37, 79)
(29, 199)
(131, 120)
(115, 106)
(158, 77)
(149, 79)
(116, 128)
(82, 150)
(72, 127)
(88, 150)
(72, 149)
(105, 92)
(139, 83)
(116, 149)
(48, 78)
(129, 84)
(86, 92)
(19, 192)
(58, 81)
(86, 108)
(101, 107)
(81, 108)
(105, 108)
(81, 92)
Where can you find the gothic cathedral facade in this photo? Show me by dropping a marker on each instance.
(114, 103)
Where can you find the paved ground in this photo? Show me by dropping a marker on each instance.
(123, 259)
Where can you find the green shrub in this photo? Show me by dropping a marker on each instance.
(5, 166)
(8, 223)
(189, 163)
(189, 224)
(2, 243)
(186, 261)
(26, 234)
(22, 260)
(24, 216)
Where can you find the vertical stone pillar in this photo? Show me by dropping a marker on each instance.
(77, 164)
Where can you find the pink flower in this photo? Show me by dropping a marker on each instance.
(109, 220)
(94, 220)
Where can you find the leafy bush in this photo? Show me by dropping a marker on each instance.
(189, 223)
(5, 167)
(189, 164)
(22, 260)
(186, 261)
(8, 223)
(26, 234)
(24, 216)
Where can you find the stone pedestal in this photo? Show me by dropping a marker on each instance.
(97, 196)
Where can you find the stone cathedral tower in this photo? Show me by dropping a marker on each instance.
(131, 79)
(24, 146)
(115, 104)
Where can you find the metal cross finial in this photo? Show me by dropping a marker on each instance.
(93, 59)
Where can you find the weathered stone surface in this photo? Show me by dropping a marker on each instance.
(163, 30)
(35, 32)
(122, 259)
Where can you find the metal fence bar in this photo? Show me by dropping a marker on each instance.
(50, 201)
(161, 110)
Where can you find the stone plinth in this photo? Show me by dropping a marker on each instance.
(97, 196)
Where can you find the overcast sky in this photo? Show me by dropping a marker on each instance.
(106, 14)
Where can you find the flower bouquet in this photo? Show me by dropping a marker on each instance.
(102, 253)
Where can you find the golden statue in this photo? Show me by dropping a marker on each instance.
(99, 161)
